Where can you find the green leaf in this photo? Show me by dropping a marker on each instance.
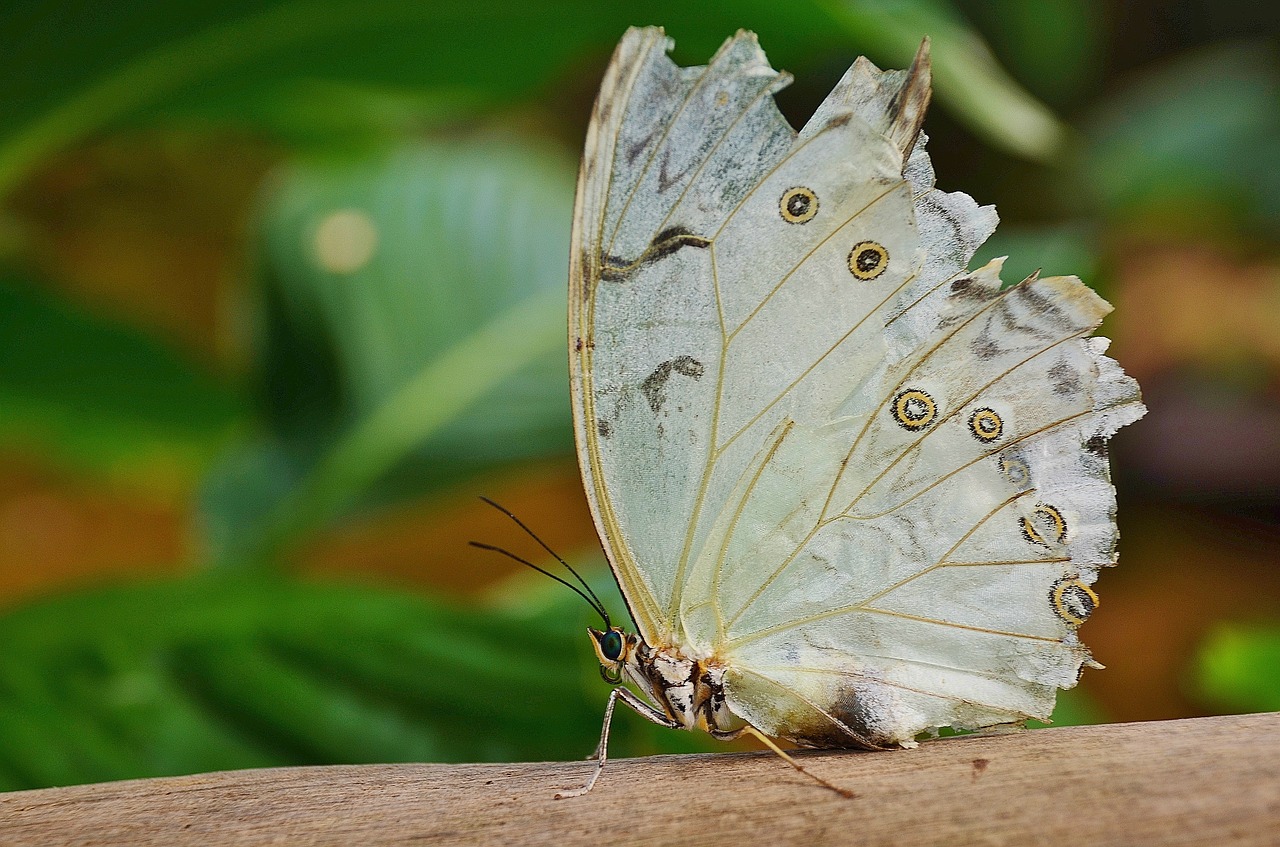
(1238, 667)
(1197, 140)
(1074, 708)
(99, 395)
(1061, 250)
(224, 671)
(432, 348)
(81, 68)
(966, 76)
(1057, 49)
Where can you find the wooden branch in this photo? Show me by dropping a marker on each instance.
(1202, 781)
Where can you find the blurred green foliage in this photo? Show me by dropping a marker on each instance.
(95, 392)
(1194, 140)
(1238, 668)
(439, 355)
(83, 70)
(222, 671)
(406, 320)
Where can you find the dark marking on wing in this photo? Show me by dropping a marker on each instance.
(1042, 305)
(961, 239)
(1097, 445)
(613, 269)
(671, 239)
(966, 288)
(654, 385)
(585, 263)
(1014, 325)
(666, 179)
(839, 120)
(604, 428)
(854, 730)
(633, 152)
(1018, 334)
(1066, 382)
(983, 345)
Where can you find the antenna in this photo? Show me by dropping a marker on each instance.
(593, 600)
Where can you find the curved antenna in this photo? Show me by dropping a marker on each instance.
(598, 604)
(599, 609)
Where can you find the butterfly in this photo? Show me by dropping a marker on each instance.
(852, 491)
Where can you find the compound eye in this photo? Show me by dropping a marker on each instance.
(611, 645)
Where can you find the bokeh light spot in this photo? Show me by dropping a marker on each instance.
(345, 241)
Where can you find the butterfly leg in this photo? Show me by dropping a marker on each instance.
(730, 735)
(602, 749)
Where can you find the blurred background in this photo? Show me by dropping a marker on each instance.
(282, 290)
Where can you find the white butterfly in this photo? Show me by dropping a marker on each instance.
(851, 491)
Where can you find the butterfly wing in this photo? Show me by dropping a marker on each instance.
(935, 574)
(670, 152)
(870, 483)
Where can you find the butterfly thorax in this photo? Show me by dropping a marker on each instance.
(690, 691)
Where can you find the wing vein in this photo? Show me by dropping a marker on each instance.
(854, 735)
(951, 414)
(671, 123)
(844, 515)
(699, 502)
(888, 397)
(737, 514)
(954, 547)
(693, 178)
(881, 681)
(719, 450)
(862, 604)
(617, 552)
(981, 456)
(798, 265)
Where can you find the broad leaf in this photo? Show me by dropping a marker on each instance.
(1194, 141)
(430, 349)
(215, 673)
(100, 395)
(74, 69)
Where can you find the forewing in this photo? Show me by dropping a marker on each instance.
(716, 294)
(671, 154)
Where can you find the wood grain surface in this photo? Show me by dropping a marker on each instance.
(1201, 781)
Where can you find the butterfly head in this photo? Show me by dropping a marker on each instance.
(614, 648)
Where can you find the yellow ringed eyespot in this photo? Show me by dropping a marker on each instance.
(1032, 532)
(798, 205)
(1072, 600)
(986, 425)
(914, 409)
(1055, 517)
(867, 260)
